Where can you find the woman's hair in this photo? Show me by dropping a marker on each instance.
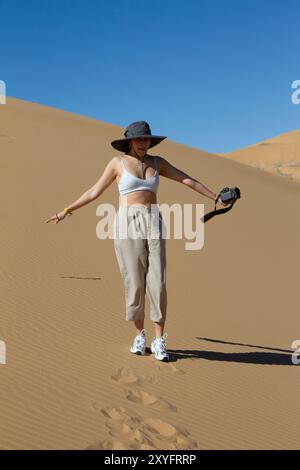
(128, 147)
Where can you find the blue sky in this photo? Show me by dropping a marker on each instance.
(211, 74)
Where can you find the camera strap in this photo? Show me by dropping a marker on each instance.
(215, 212)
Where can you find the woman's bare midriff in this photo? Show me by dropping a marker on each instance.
(146, 198)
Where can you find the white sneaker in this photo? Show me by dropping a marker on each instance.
(139, 344)
(158, 348)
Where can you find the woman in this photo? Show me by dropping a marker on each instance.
(142, 261)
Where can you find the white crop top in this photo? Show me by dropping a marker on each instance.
(129, 182)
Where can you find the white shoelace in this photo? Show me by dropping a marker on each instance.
(162, 342)
(140, 339)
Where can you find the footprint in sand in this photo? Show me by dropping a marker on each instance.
(165, 367)
(123, 428)
(115, 444)
(144, 398)
(169, 436)
(175, 369)
(125, 376)
(128, 430)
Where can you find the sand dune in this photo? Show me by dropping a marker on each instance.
(279, 155)
(69, 381)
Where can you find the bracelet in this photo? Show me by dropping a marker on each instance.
(67, 210)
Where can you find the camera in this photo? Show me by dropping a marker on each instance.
(229, 194)
(226, 195)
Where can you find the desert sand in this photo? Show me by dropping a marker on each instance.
(279, 155)
(69, 381)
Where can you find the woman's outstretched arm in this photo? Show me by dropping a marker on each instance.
(170, 171)
(108, 176)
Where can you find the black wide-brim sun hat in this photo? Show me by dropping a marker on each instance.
(133, 131)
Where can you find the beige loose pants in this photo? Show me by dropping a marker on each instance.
(140, 247)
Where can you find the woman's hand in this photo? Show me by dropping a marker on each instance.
(223, 204)
(57, 217)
